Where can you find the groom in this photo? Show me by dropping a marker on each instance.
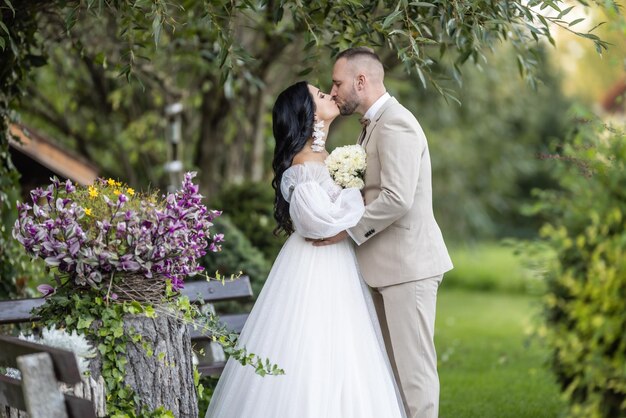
(401, 251)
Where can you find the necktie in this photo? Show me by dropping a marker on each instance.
(364, 124)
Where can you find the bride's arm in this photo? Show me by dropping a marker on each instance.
(315, 216)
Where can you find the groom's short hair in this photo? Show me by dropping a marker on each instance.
(359, 52)
(364, 59)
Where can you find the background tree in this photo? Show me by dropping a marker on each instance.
(224, 60)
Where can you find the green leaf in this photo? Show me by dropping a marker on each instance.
(278, 14)
(422, 4)
(118, 332)
(4, 28)
(391, 18)
(420, 74)
(8, 3)
(71, 18)
(576, 21)
(157, 25)
(565, 12)
(84, 323)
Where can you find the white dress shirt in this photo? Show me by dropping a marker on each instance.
(371, 112)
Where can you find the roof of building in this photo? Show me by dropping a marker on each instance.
(50, 155)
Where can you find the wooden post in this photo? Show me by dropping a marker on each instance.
(41, 393)
(90, 389)
(8, 412)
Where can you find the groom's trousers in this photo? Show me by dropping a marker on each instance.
(406, 313)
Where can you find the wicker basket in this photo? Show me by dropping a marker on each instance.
(137, 287)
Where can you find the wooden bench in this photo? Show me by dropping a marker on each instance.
(38, 392)
(19, 310)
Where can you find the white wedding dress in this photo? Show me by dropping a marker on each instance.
(315, 319)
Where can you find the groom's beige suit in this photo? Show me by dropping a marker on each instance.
(401, 251)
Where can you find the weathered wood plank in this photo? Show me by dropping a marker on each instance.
(79, 407)
(64, 362)
(90, 389)
(215, 291)
(214, 369)
(19, 310)
(41, 392)
(11, 393)
(14, 311)
(234, 322)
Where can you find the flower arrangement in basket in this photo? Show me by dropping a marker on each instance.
(119, 257)
(122, 244)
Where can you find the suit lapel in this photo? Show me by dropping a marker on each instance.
(372, 126)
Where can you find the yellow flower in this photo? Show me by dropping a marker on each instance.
(87, 211)
(93, 192)
(116, 192)
(111, 182)
(118, 183)
(130, 191)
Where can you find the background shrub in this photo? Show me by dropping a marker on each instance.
(250, 207)
(584, 310)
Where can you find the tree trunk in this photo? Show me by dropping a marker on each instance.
(164, 378)
(210, 156)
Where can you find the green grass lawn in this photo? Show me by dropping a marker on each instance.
(493, 267)
(488, 367)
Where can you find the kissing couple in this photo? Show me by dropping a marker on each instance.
(348, 309)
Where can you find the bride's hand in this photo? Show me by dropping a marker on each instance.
(330, 240)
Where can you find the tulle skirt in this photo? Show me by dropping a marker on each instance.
(314, 318)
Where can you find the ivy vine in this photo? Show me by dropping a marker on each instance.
(102, 323)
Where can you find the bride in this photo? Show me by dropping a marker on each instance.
(314, 317)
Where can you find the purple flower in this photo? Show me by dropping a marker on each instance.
(159, 239)
(36, 194)
(55, 182)
(46, 290)
(69, 187)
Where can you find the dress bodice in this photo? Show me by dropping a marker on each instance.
(308, 172)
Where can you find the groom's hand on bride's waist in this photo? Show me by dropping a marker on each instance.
(330, 240)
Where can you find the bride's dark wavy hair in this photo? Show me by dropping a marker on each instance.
(292, 122)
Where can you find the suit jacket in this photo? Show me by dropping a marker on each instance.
(398, 238)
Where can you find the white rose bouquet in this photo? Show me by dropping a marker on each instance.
(347, 166)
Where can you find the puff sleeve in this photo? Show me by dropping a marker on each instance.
(313, 213)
